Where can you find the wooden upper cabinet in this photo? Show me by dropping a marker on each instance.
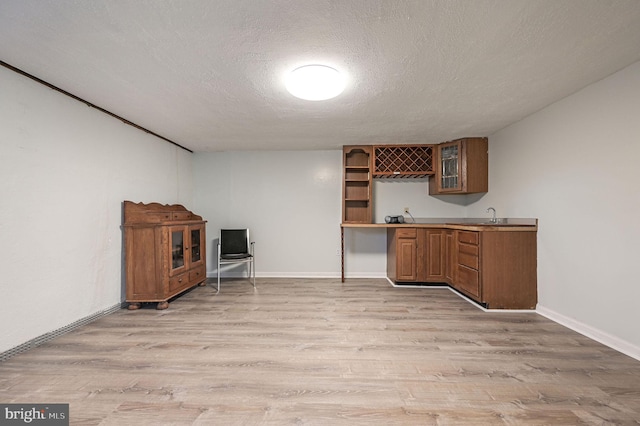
(457, 167)
(356, 184)
(403, 161)
(462, 167)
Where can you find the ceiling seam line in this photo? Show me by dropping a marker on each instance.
(89, 104)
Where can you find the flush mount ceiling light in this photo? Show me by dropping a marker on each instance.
(315, 82)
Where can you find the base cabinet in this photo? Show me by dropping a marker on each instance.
(467, 277)
(402, 254)
(497, 269)
(164, 252)
(508, 270)
(416, 255)
(431, 251)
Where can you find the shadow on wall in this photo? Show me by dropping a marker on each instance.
(455, 199)
(460, 200)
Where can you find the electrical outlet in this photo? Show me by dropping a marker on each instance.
(406, 210)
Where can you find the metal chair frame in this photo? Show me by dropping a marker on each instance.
(246, 255)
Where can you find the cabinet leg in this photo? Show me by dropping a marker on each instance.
(162, 305)
(133, 306)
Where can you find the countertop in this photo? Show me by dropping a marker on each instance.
(470, 224)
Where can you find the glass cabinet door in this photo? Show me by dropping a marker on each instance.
(196, 254)
(450, 167)
(177, 248)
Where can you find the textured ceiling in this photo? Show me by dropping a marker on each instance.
(208, 74)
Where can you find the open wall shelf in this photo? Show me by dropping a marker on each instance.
(356, 187)
(455, 167)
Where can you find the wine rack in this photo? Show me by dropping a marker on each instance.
(403, 161)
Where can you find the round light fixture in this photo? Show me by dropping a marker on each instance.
(315, 82)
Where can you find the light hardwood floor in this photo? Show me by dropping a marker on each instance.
(322, 352)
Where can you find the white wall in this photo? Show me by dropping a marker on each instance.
(66, 168)
(576, 166)
(291, 201)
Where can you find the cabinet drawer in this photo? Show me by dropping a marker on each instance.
(468, 280)
(468, 260)
(178, 282)
(406, 233)
(469, 249)
(468, 255)
(468, 237)
(180, 215)
(155, 217)
(197, 275)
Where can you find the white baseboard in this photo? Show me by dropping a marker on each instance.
(367, 275)
(593, 333)
(212, 274)
(297, 275)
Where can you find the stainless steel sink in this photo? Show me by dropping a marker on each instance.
(500, 221)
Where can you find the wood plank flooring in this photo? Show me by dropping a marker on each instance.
(322, 352)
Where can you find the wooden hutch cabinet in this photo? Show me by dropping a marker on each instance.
(462, 167)
(164, 252)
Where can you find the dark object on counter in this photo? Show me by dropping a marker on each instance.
(394, 219)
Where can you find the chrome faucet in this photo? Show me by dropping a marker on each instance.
(493, 219)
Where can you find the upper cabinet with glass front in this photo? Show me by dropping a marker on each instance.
(462, 167)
